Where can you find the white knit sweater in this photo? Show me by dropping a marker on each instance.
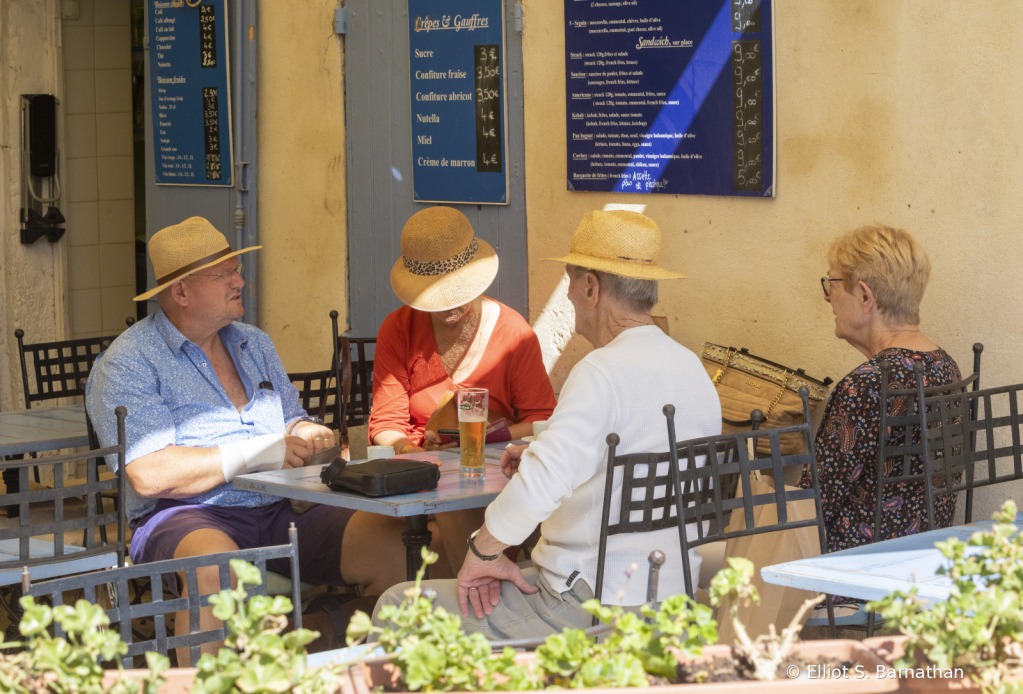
(619, 388)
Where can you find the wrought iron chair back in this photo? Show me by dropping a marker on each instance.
(955, 421)
(647, 499)
(58, 368)
(95, 516)
(123, 611)
(317, 397)
(693, 489)
(902, 418)
(359, 397)
(705, 502)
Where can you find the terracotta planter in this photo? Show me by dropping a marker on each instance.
(891, 648)
(179, 679)
(381, 672)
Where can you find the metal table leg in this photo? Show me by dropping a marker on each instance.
(415, 537)
(10, 478)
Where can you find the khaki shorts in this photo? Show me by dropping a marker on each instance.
(517, 616)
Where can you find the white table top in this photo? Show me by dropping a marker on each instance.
(37, 549)
(42, 429)
(453, 491)
(872, 572)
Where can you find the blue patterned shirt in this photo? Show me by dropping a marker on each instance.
(174, 397)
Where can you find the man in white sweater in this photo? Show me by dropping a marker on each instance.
(558, 480)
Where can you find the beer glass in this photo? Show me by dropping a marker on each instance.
(472, 429)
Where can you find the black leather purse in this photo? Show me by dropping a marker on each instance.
(381, 477)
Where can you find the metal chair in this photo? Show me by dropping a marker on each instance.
(696, 492)
(123, 610)
(316, 398)
(21, 546)
(59, 367)
(902, 418)
(360, 393)
(949, 449)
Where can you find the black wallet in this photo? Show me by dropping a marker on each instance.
(382, 477)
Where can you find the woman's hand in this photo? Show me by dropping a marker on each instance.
(432, 442)
(511, 458)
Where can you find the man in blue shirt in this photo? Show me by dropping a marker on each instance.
(208, 399)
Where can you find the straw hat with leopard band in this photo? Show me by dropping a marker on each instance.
(619, 242)
(180, 250)
(442, 265)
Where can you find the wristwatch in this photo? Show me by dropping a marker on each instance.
(472, 546)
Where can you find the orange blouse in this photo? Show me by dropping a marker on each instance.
(409, 377)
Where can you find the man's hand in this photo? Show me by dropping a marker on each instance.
(479, 581)
(432, 442)
(511, 458)
(297, 451)
(319, 437)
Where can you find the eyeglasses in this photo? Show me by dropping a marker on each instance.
(826, 284)
(221, 276)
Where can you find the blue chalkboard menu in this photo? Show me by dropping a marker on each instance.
(670, 97)
(190, 86)
(456, 76)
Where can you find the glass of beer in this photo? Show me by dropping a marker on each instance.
(472, 429)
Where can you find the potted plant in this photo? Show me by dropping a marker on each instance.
(259, 656)
(974, 640)
(669, 646)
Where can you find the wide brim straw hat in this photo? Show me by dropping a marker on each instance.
(442, 265)
(620, 242)
(183, 249)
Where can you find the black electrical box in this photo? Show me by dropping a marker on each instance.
(42, 134)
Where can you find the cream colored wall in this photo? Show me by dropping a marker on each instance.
(32, 280)
(99, 186)
(302, 205)
(900, 112)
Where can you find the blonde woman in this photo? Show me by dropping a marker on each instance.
(876, 278)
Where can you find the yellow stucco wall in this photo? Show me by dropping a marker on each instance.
(302, 205)
(901, 112)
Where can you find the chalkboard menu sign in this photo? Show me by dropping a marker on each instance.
(670, 97)
(748, 100)
(189, 83)
(456, 76)
(487, 70)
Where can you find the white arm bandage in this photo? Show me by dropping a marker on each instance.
(253, 455)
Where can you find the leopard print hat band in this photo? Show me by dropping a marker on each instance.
(441, 267)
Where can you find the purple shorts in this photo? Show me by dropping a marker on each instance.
(320, 530)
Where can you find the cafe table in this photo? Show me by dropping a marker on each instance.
(42, 429)
(39, 429)
(872, 572)
(453, 493)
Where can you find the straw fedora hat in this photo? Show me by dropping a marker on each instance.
(619, 242)
(180, 250)
(442, 265)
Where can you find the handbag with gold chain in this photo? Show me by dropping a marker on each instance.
(746, 382)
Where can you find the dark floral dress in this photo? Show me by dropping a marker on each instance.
(847, 444)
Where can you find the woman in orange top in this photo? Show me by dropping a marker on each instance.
(449, 336)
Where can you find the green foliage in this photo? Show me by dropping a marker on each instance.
(734, 583)
(258, 657)
(431, 649)
(980, 627)
(69, 665)
(434, 655)
(632, 650)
